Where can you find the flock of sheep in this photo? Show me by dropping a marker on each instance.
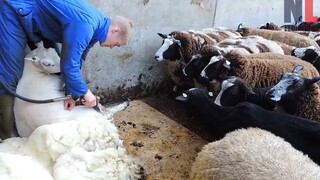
(258, 90)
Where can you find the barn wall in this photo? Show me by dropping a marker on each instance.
(131, 71)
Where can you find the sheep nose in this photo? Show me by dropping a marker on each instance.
(156, 57)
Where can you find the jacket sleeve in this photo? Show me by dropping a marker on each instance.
(76, 38)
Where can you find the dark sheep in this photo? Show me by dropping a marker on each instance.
(235, 90)
(303, 134)
(297, 95)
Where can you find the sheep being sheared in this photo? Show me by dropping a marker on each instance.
(57, 137)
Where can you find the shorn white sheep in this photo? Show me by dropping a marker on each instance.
(60, 144)
(252, 154)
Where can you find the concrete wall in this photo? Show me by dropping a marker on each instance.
(131, 71)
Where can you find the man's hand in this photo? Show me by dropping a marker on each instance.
(89, 99)
(69, 104)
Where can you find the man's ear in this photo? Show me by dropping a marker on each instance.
(116, 29)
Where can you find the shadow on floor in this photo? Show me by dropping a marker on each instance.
(178, 112)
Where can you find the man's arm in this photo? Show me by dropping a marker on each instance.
(76, 38)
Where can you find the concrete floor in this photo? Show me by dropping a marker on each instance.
(160, 135)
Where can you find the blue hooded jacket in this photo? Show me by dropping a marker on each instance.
(74, 23)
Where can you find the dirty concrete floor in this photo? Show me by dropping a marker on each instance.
(160, 134)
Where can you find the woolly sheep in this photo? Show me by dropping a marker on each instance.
(249, 45)
(53, 147)
(179, 46)
(235, 90)
(297, 95)
(303, 134)
(252, 154)
(259, 70)
(57, 138)
(311, 34)
(290, 38)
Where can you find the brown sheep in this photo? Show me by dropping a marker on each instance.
(181, 45)
(297, 95)
(290, 38)
(259, 70)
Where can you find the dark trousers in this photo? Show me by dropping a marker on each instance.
(7, 121)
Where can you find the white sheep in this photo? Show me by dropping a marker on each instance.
(252, 154)
(249, 45)
(38, 82)
(93, 147)
(54, 138)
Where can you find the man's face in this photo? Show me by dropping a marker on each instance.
(113, 40)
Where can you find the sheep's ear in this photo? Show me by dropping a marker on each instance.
(182, 97)
(240, 29)
(162, 35)
(177, 41)
(249, 90)
(314, 80)
(298, 69)
(226, 64)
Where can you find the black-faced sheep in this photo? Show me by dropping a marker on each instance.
(194, 67)
(259, 70)
(303, 134)
(290, 38)
(251, 154)
(235, 90)
(309, 54)
(297, 95)
(179, 46)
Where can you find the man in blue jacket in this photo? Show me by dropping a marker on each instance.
(75, 24)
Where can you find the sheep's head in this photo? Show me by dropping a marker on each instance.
(233, 91)
(214, 69)
(290, 87)
(46, 60)
(306, 53)
(169, 49)
(197, 63)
